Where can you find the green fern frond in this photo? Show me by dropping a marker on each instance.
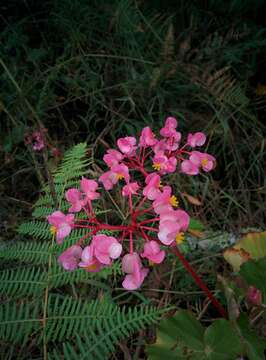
(30, 252)
(19, 321)
(22, 281)
(44, 211)
(73, 166)
(36, 229)
(68, 316)
(105, 331)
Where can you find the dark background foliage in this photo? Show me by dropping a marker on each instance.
(97, 70)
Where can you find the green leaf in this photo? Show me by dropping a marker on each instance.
(166, 342)
(254, 345)
(195, 224)
(254, 244)
(221, 341)
(183, 337)
(254, 272)
(189, 330)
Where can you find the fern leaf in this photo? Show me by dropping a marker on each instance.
(102, 334)
(37, 229)
(19, 321)
(31, 252)
(22, 281)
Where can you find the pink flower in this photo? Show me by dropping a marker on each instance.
(113, 157)
(37, 141)
(130, 188)
(69, 259)
(106, 248)
(147, 137)
(254, 296)
(164, 201)
(131, 264)
(74, 196)
(189, 168)
(127, 145)
(89, 188)
(197, 139)
(171, 224)
(153, 252)
(151, 190)
(160, 146)
(205, 161)
(163, 164)
(168, 231)
(172, 143)
(110, 178)
(62, 224)
(169, 128)
(89, 261)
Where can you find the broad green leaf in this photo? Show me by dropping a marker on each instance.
(221, 341)
(183, 337)
(166, 344)
(254, 272)
(252, 245)
(189, 330)
(254, 345)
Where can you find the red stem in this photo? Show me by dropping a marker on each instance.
(130, 242)
(199, 282)
(149, 221)
(149, 228)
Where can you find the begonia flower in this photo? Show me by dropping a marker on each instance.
(169, 128)
(106, 248)
(127, 145)
(164, 164)
(62, 224)
(111, 177)
(37, 141)
(113, 157)
(69, 259)
(130, 188)
(172, 143)
(152, 189)
(197, 139)
(74, 196)
(153, 252)
(254, 296)
(189, 168)
(88, 261)
(147, 137)
(164, 201)
(89, 188)
(171, 224)
(206, 161)
(131, 264)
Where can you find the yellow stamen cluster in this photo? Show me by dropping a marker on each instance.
(91, 267)
(53, 230)
(151, 263)
(204, 162)
(180, 237)
(156, 166)
(173, 201)
(119, 176)
(160, 184)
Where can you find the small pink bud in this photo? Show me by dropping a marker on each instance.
(254, 296)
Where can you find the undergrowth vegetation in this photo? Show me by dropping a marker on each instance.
(89, 72)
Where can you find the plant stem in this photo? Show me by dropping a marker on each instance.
(199, 282)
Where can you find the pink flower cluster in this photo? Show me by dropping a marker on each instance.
(156, 223)
(36, 139)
